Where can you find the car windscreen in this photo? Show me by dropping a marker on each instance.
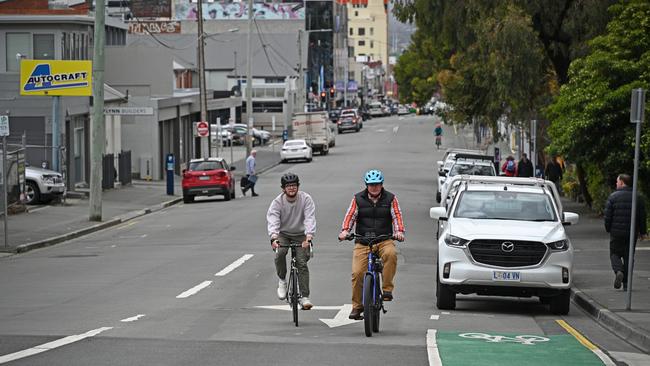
(202, 166)
(505, 205)
(471, 169)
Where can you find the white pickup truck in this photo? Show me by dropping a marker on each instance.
(315, 129)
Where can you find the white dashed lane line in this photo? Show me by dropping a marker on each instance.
(232, 266)
(194, 290)
(51, 345)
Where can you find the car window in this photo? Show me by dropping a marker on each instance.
(471, 169)
(202, 166)
(505, 205)
(296, 143)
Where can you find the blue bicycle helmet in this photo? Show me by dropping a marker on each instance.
(373, 176)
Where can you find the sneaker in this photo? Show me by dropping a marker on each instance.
(618, 280)
(355, 314)
(282, 289)
(305, 303)
(255, 194)
(388, 296)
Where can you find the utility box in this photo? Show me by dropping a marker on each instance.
(146, 167)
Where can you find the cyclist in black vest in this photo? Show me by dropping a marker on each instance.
(375, 211)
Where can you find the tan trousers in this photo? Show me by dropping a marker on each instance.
(388, 254)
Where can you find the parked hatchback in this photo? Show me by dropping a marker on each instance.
(208, 177)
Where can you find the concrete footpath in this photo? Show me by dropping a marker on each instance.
(46, 225)
(593, 279)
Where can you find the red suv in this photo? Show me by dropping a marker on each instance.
(208, 177)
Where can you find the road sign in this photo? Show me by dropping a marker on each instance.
(4, 125)
(203, 129)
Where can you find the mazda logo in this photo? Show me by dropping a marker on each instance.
(507, 246)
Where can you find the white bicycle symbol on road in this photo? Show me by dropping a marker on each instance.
(528, 340)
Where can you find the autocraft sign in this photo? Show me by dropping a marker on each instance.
(56, 77)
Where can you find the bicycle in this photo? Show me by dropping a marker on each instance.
(373, 302)
(438, 141)
(293, 285)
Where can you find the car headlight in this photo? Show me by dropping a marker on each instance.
(560, 245)
(455, 241)
(49, 179)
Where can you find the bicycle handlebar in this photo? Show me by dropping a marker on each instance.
(369, 239)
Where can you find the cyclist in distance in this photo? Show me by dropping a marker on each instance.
(375, 211)
(292, 218)
(438, 133)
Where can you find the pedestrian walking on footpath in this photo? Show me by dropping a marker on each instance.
(618, 217)
(525, 167)
(509, 167)
(291, 217)
(251, 174)
(553, 172)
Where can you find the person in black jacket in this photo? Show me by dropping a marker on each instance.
(525, 167)
(618, 217)
(553, 172)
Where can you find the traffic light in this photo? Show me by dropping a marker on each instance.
(332, 91)
(323, 95)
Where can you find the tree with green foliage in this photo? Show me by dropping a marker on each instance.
(590, 117)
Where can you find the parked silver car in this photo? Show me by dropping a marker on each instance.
(42, 185)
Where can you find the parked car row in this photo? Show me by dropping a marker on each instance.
(236, 134)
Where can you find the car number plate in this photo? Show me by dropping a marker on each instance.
(506, 276)
(294, 150)
(204, 177)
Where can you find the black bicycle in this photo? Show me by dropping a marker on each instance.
(293, 286)
(373, 301)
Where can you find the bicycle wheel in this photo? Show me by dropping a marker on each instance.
(368, 304)
(293, 297)
(377, 306)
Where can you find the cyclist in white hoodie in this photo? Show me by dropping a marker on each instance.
(292, 218)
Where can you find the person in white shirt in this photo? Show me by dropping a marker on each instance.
(292, 218)
(251, 174)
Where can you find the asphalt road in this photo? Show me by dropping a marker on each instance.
(194, 284)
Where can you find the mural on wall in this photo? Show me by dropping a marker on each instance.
(186, 10)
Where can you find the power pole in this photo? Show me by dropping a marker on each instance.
(301, 81)
(205, 141)
(249, 80)
(98, 135)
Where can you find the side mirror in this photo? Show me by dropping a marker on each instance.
(442, 173)
(438, 213)
(232, 167)
(183, 171)
(570, 218)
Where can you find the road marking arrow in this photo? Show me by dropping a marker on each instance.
(341, 317)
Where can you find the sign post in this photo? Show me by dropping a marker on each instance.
(231, 121)
(637, 110)
(4, 132)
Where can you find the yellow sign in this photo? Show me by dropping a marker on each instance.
(56, 77)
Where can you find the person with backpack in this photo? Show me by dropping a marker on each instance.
(510, 167)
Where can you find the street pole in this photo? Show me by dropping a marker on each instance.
(301, 81)
(98, 138)
(205, 141)
(4, 187)
(636, 116)
(249, 80)
(56, 134)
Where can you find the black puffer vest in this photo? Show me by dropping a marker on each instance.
(374, 217)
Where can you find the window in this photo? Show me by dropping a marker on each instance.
(267, 107)
(351, 31)
(362, 31)
(356, 13)
(44, 46)
(372, 31)
(372, 44)
(17, 43)
(362, 43)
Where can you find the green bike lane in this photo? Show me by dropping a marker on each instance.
(458, 348)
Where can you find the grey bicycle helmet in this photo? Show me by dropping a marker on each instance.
(289, 178)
